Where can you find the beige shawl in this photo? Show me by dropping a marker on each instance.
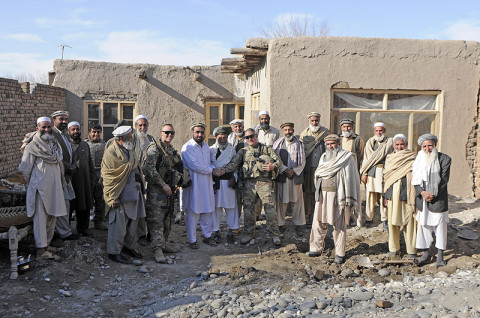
(115, 171)
(310, 139)
(398, 165)
(373, 157)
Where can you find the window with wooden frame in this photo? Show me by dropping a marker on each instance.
(255, 109)
(408, 112)
(107, 114)
(221, 114)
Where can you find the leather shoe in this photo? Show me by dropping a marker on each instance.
(132, 252)
(72, 237)
(119, 258)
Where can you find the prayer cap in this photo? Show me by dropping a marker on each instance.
(73, 123)
(40, 119)
(263, 112)
(60, 113)
(399, 136)
(236, 121)
(122, 131)
(198, 125)
(313, 114)
(141, 117)
(287, 124)
(426, 137)
(220, 131)
(379, 124)
(346, 121)
(123, 122)
(332, 137)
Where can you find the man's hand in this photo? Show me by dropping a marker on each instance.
(116, 203)
(427, 196)
(268, 166)
(364, 178)
(217, 172)
(290, 173)
(385, 203)
(167, 190)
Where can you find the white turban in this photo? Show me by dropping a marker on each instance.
(263, 112)
(40, 119)
(379, 124)
(236, 121)
(141, 117)
(122, 131)
(426, 137)
(73, 123)
(399, 136)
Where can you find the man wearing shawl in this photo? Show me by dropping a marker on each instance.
(314, 146)
(290, 179)
(376, 150)
(60, 121)
(123, 195)
(199, 198)
(338, 192)
(225, 194)
(399, 194)
(42, 168)
(431, 172)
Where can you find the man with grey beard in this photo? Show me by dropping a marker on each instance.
(338, 193)
(351, 141)
(430, 175)
(42, 167)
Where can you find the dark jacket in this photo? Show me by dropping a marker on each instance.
(440, 202)
(69, 169)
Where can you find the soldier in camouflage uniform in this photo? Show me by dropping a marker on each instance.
(164, 172)
(260, 165)
(97, 147)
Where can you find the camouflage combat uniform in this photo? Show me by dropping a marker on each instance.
(97, 149)
(162, 165)
(257, 184)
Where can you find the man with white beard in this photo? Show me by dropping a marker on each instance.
(42, 167)
(225, 194)
(431, 172)
(351, 141)
(338, 193)
(290, 179)
(376, 150)
(237, 136)
(314, 146)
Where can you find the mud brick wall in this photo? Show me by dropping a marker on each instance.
(20, 106)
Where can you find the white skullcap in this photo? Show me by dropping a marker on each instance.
(263, 112)
(73, 123)
(379, 124)
(141, 117)
(122, 131)
(399, 136)
(236, 121)
(40, 119)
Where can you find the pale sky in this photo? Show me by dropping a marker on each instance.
(201, 32)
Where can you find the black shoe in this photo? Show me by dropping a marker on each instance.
(132, 252)
(72, 237)
(119, 258)
(282, 229)
(85, 233)
(217, 237)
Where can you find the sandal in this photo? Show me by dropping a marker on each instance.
(210, 241)
(194, 245)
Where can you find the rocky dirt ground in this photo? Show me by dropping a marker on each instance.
(249, 281)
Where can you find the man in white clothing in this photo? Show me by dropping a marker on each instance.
(225, 195)
(199, 198)
(267, 134)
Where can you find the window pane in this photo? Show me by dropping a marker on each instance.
(338, 117)
(127, 112)
(130, 122)
(358, 100)
(213, 124)
(228, 113)
(93, 111)
(422, 124)
(214, 112)
(410, 102)
(110, 113)
(241, 110)
(394, 123)
(107, 132)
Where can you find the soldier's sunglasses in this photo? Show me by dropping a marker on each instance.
(169, 132)
(249, 136)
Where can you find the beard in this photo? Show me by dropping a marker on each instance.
(331, 154)
(347, 133)
(380, 139)
(75, 137)
(239, 134)
(142, 134)
(128, 145)
(314, 128)
(430, 157)
(46, 136)
(265, 126)
(289, 137)
(222, 147)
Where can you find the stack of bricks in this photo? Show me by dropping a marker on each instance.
(20, 106)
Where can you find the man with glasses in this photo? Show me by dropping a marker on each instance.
(164, 172)
(260, 165)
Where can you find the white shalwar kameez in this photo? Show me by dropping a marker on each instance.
(199, 198)
(429, 222)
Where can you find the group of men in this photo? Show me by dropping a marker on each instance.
(139, 182)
